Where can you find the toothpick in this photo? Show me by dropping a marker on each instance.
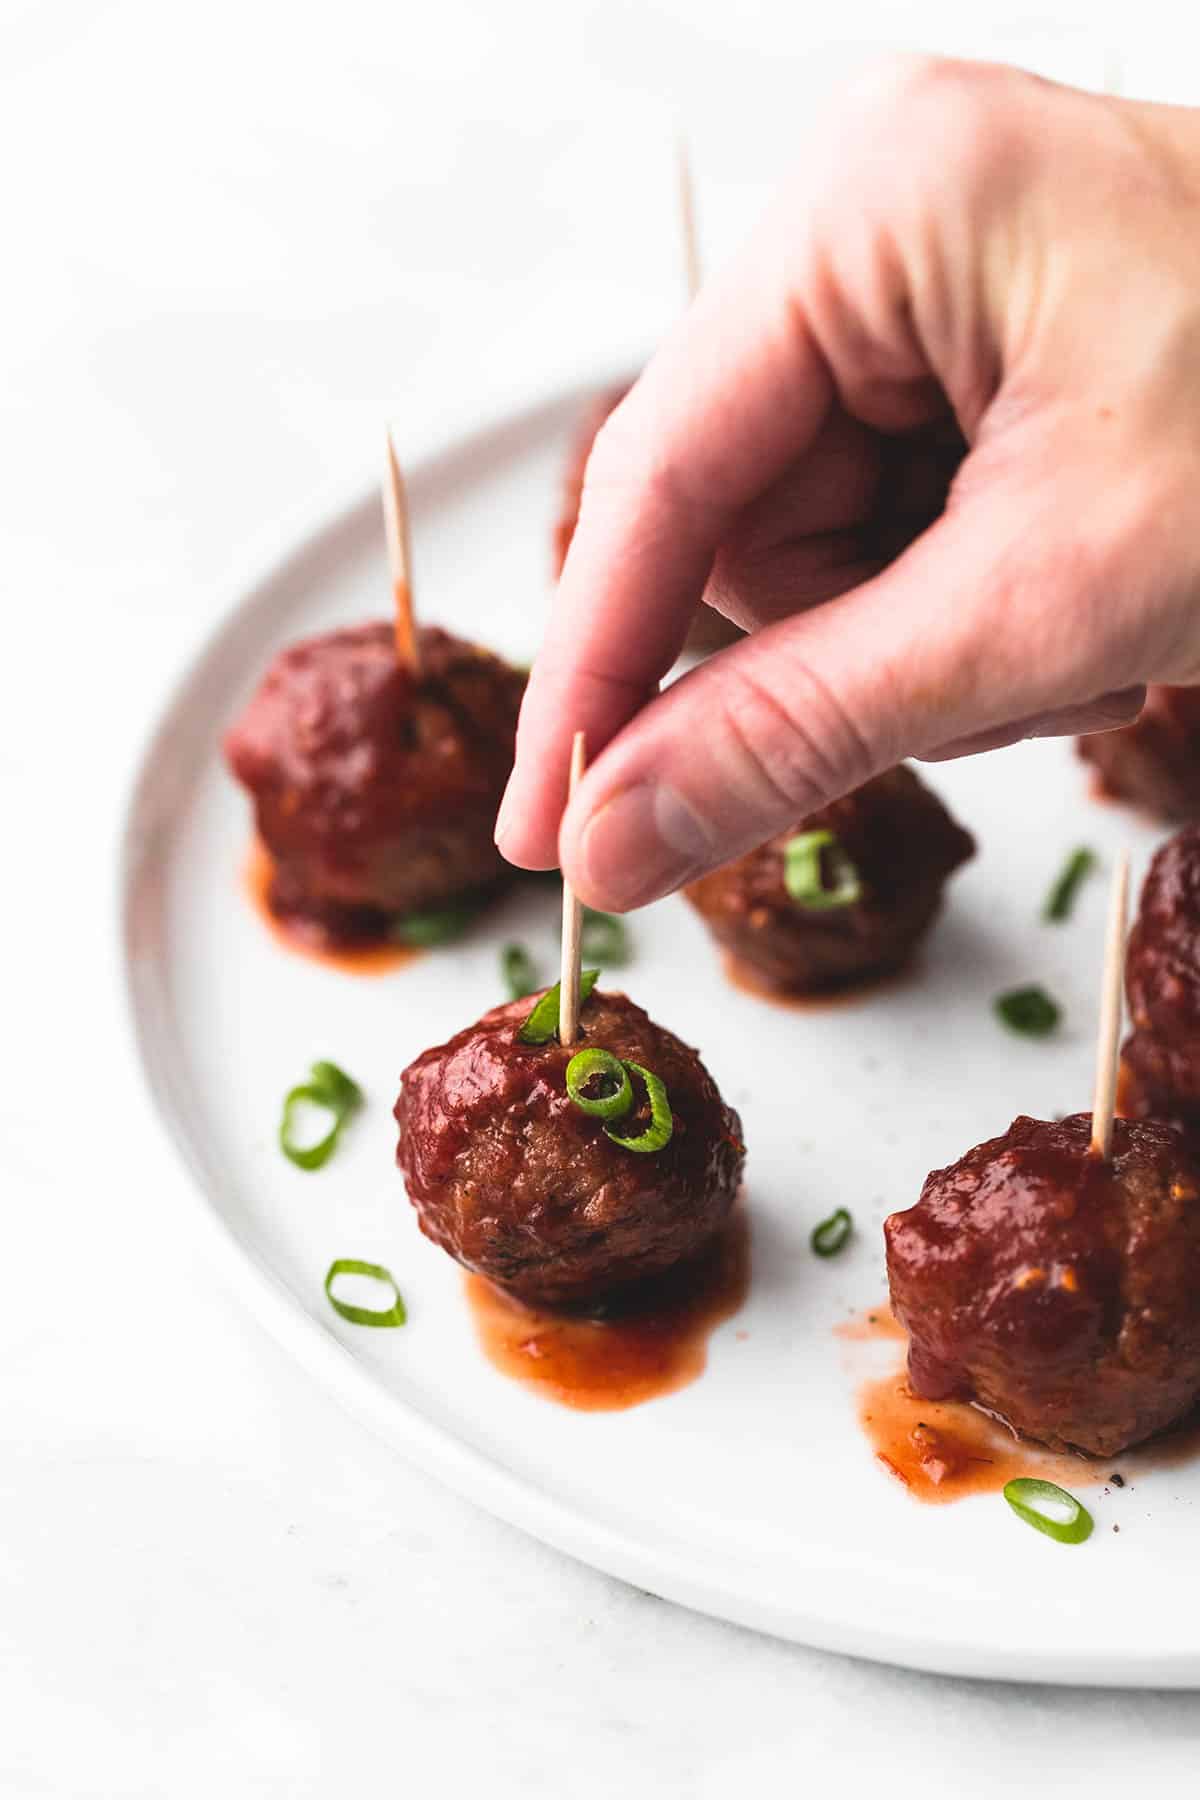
(1104, 1098)
(572, 926)
(687, 220)
(399, 546)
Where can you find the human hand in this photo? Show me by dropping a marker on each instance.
(934, 439)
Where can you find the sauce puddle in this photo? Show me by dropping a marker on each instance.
(606, 1365)
(308, 937)
(943, 1450)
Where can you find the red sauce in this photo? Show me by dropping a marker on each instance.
(871, 1327)
(946, 1450)
(308, 937)
(749, 980)
(606, 1365)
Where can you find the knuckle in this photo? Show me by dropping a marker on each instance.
(936, 112)
(648, 470)
(609, 455)
(607, 471)
(798, 744)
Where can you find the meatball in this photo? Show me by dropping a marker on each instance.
(1155, 762)
(902, 845)
(709, 630)
(375, 791)
(519, 1184)
(1161, 1057)
(1054, 1289)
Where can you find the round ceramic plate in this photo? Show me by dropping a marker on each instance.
(752, 1493)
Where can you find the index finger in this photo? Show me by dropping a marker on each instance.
(736, 392)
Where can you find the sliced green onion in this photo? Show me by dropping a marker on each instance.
(1024, 1494)
(365, 1315)
(608, 1078)
(807, 858)
(1029, 1010)
(329, 1089)
(542, 1023)
(832, 1234)
(344, 1095)
(603, 939)
(662, 1123)
(516, 967)
(426, 930)
(1061, 897)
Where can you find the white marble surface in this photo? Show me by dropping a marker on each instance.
(234, 237)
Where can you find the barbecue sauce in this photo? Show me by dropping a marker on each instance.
(657, 1346)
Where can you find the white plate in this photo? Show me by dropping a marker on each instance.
(752, 1493)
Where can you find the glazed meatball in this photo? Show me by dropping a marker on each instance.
(376, 792)
(902, 845)
(709, 630)
(1161, 1057)
(1155, 762)
(1057, 1290)
(519, 1184)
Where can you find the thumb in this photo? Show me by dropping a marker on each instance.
(951, 644)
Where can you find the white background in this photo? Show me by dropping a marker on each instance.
(234, 238)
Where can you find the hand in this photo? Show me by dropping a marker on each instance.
(934, 439)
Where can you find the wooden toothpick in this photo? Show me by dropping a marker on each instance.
(687, 220)
(1107, 1046)
(572, 925)
(399, 546)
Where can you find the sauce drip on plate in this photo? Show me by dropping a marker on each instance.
(608, 1364)
(947, 1450)
(303, 934)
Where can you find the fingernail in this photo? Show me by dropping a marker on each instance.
(642, 843)
(504, 817)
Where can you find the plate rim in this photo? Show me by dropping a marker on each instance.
(662, 1568)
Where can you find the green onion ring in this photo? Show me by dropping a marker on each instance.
(1061, 897)
(604, 939)
(542, 1023)
(331, 1089)
(596, 1064)
(426, 930)
(517, 970)
(394, 1314)
(803, 876)
(344, 1095)
(658, 1133)
(832, 1234)
(1028, 1010)
(1022, 1494)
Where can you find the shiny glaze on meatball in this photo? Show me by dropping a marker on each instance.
(1161, 1057)
(903, 844)
(1054, 1289)
(511, 1178)
(376, 792)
